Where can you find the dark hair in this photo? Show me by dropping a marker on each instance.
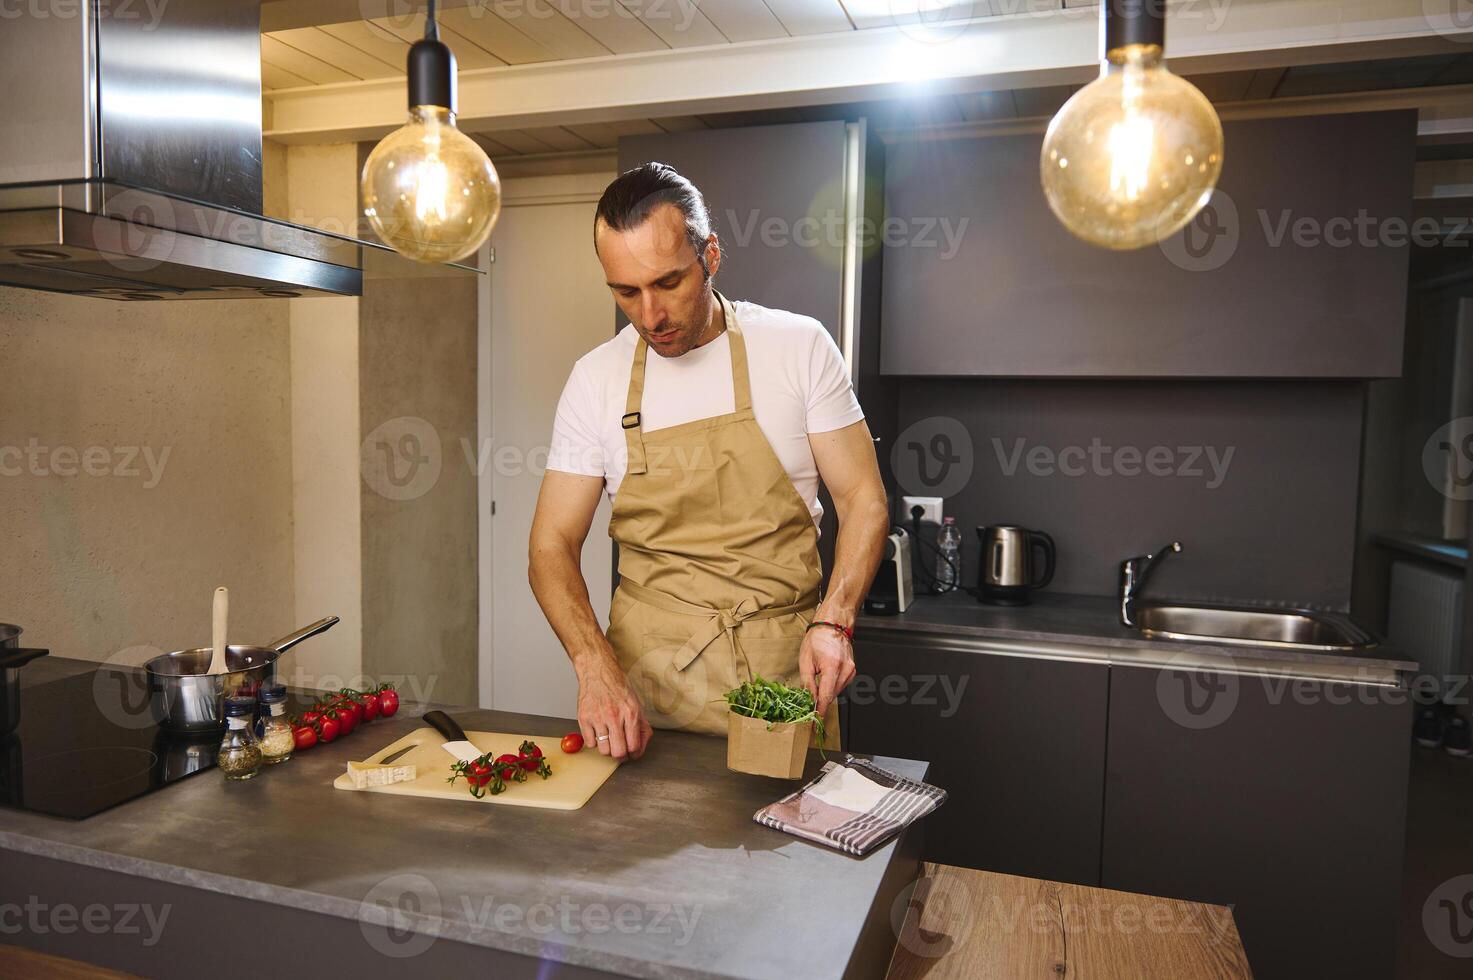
(628, 201)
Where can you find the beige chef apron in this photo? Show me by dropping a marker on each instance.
(718, 558)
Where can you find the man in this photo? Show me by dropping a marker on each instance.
(711, 451)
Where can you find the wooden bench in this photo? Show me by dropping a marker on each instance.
(977, 924)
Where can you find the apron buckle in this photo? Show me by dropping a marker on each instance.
(630, 421)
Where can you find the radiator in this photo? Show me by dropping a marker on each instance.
(1425, 616)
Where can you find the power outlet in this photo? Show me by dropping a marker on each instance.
(930, 509)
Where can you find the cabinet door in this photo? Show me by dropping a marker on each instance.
(776, 196)
(1297, 267)
(1284, 799)
(1018, 743)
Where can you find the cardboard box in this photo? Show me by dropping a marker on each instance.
(752, 748)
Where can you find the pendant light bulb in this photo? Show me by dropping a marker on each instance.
(1134, 155)
(429, 191)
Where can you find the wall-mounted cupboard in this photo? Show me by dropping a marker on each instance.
(1296, 268)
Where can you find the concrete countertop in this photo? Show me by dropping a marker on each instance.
(671, 836)
(1088, 627)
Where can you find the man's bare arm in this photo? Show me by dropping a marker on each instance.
(847, 465)
(565, 509)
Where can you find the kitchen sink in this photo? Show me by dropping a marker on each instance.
(1297, 629)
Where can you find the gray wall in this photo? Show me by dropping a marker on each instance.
(117, 556)
(1274, 522)
(417, 360)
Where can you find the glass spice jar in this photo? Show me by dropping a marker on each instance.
(274, 730)
(240, 753)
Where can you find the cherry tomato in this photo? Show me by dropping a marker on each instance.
(509, 759)
(531, 756)
(388, 701)
(328, 728)
(371, 706)
(478, 774)
(572, 742)
(349, 703)
(310, 718)
(346, 721)
(304, 737)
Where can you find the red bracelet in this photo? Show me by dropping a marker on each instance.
(846, 630)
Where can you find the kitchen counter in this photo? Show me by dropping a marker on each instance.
(1088, 628)
(663, 873)
(1450, 553)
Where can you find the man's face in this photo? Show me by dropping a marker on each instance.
(657, 281)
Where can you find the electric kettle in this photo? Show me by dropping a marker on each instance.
(1008, 572)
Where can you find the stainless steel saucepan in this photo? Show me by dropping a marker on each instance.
(191, 700)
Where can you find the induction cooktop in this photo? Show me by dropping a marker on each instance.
(89, 742)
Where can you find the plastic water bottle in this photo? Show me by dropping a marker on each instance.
(949, 546)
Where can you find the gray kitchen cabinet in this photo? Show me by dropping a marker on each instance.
(1018, 743)
(1283, 799)
(776, 196)
(1296, 268)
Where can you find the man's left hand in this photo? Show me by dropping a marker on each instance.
(825, 664)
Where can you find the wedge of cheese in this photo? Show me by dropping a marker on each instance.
(365, 774)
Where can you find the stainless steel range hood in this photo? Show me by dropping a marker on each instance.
(130, 159)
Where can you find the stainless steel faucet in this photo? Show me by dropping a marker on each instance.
(1133, 575)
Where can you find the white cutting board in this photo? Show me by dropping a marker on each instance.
(574, 778)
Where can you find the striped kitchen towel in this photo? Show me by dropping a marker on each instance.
(853, 806)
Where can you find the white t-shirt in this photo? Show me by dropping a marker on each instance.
(799, 385)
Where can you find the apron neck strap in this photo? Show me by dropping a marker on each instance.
(741, 379)
(741, 384)
(633, 427)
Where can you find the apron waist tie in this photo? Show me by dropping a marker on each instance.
(718, 620)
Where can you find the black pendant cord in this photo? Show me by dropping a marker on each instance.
(432, 27)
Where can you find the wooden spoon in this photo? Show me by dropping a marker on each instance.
(217, 638)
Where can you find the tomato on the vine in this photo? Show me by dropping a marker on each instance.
(388, 701)
(303, 737)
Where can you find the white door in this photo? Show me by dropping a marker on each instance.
(548, 305)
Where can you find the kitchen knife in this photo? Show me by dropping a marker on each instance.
(455, 741)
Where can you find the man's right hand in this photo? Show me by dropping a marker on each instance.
(608, 706)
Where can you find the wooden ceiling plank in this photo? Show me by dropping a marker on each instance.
(371, 39)
(559, 138)
(611, 25)
(314, 70)
(468, 55)
(678, 124)
(481, 26)
(546, 24)
(679, 23)
(742, 20)
(810, 16)
(325, 47)
(273, 77)
(520, 142)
